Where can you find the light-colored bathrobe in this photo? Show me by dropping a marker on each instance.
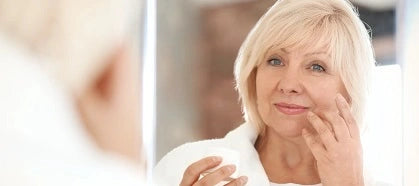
(169, 170)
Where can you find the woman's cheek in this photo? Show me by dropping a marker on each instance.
(323, 96)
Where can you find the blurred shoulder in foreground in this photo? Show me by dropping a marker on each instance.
(70, 93)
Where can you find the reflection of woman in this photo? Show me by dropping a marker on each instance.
(301, 74)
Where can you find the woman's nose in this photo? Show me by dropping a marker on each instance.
(290, 83)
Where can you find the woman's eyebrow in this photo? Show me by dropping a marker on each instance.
(284, 51)
(274, 49)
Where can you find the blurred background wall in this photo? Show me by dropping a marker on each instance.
(408, 55)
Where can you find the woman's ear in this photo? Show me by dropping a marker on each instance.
(110, 106)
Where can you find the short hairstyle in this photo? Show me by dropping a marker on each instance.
(73, 37)
(308, 23)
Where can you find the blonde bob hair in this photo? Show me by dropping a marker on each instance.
(333, 24)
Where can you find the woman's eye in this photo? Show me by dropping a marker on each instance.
(275, 62)
(317, 68)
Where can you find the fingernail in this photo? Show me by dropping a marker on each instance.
(231, 168)
(216, 159)
(340, 98)
(243, 180)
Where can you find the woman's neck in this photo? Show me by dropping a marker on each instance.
(286, 160)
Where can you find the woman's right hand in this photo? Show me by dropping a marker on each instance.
(193, 172)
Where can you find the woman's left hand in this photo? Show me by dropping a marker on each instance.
(338, 152)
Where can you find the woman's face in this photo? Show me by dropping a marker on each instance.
(289, 83)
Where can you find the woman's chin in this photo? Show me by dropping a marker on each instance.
(290, 130)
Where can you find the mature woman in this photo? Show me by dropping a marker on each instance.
(302, 76)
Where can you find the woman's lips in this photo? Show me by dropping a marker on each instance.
(290, 109)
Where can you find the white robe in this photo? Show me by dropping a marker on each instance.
(170, 169)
